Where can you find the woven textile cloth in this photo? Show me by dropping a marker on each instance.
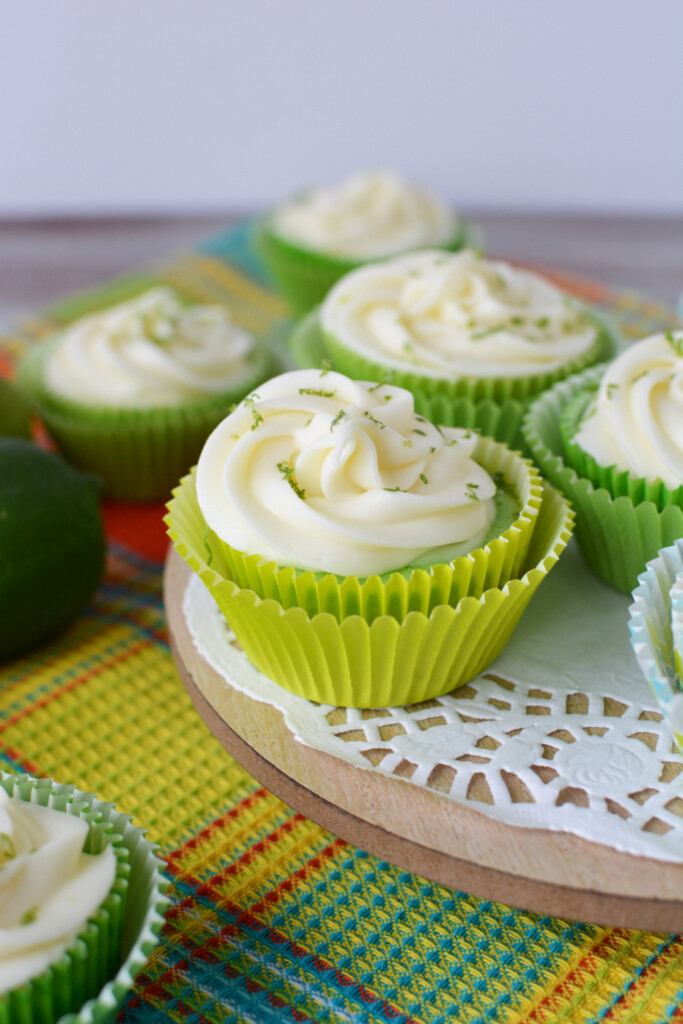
(274, 919)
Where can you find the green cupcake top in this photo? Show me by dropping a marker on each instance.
(372, 215)
(457, 316)
(324, 473)
(634, 421)
(50, 886)
(150, 351)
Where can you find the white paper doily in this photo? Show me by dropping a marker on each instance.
(561, 732)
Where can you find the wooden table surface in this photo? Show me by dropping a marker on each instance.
(41, 261)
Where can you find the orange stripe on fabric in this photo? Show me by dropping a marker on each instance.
(572, 981)
(636, 989)
(74, 683)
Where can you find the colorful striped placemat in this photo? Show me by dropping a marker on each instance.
(273, 919)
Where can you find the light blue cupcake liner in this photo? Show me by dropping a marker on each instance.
(656, 614)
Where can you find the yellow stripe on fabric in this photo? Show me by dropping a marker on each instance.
(650, 995)
(205, 280)
(129, 732)
(587, 986)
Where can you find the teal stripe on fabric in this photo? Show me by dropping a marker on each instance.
(235, 245)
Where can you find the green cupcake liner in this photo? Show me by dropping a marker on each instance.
(617, 535)
(356, 663)
(139, 454)
(89, 982)
(481, 406)
(396, 593)
(495, 389)
(304, 277)
(618, 482)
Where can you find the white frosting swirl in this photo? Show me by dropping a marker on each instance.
(325, 473)
(147, 352)
(456, 315)
(369, 216)
(48, 886)
(637, 422)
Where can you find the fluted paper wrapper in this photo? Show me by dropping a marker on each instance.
(617, 537)
(304, 276)
(493, 406)
(415, 589)
(88, 983)
(618, 482)
(356, 663)
(139, 454)
(654, 632)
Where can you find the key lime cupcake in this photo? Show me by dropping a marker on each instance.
(131, 393)
(70, 941)
(473, 339)
(311, 241)
(362, 555)
(612, 439)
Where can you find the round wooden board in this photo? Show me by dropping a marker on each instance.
(420, 830)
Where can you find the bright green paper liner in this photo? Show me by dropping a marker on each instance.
(139, 454)
(451, 404)
(477, 389)
(89, 982)
(398, 593)
(355, 663)
(618, 482)
(304, 277)
(616, 536)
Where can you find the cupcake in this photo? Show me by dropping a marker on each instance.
(473, 339)
(611, 439)
(310, 242)
(362, 555)
(70, 939)
(130, 393)
(656, 626)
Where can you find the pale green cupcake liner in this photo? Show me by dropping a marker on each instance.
(618, 482)
(416, 588)
(139, 454)
(496, 389)
(88, 983)
(616, 536)
(304, 277)
(357, 663)
(654, 637)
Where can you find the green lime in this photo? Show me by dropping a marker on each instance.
(52, 544)
(14, 413)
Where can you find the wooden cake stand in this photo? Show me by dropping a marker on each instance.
(418, 829)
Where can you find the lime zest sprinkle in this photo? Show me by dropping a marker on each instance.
(676, 343)
(611, 388)
(423, 478)
(471, 492)
(288, 474)
(340, 416)
(317, 391)
(402, 489)
(325, 367)
(29, 916)
(373, 419)
(8, 850)
(407, 443)
(205, 541)
(386, 379)
(423, 433)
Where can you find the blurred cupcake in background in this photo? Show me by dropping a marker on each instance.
(81, 903)
(611, 439)
(130, 393)
(473, 339)
(308, 243)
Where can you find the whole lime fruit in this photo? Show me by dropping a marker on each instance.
(52, 544)
(14, 412)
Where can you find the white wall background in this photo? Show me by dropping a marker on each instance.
(157, 105)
